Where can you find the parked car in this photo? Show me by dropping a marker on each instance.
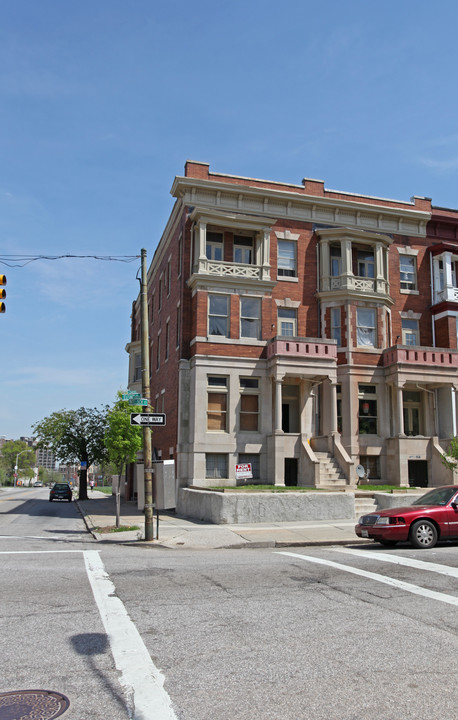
(432, 517)
(60, 491)
(38, 483)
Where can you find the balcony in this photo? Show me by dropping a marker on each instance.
(434, 357)
(353, 283)
(230, 269)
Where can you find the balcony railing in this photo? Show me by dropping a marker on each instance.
(449, 294)
(421, 356)
(230, 269)
(302, 347)
(358, 284)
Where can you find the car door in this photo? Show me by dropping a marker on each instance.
(449, 519)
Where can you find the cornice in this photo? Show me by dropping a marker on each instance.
(290, 205)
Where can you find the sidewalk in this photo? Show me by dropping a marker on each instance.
(99, 512)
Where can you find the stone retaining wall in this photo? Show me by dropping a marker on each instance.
(232, 508)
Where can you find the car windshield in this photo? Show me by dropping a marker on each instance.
(60, 486)
(439, 496)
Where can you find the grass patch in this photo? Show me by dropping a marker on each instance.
(381, 488)
(105, 489)
(265, 488)
(113, 528)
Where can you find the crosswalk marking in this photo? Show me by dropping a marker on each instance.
(400, 584)
(399, 560)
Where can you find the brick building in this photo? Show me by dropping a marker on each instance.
(302, 330)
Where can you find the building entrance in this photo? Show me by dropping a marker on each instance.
(418, 473)
(290, 471)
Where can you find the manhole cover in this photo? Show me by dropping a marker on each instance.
(32, 705)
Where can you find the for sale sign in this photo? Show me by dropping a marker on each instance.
(243, 471)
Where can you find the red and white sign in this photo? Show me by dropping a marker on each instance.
(243, 471)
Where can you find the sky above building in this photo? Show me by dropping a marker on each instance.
(103, 101)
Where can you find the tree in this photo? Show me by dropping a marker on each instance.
(17, 449)
(451, 459)
(75, 436)
(122, 441)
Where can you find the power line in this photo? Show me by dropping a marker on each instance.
(23, 260)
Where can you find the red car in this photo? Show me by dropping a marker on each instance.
(432, 517)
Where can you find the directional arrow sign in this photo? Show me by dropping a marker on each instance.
(147, 419)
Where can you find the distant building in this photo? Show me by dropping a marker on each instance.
(303, 330)
(45, 458)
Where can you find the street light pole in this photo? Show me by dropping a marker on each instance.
(16, 466)
(147, 445)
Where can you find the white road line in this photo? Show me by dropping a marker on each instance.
(31, 537)
(399, 560)
(142, 682)
(400, 584)
(37, 552)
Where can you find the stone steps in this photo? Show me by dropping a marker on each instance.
(331, 476)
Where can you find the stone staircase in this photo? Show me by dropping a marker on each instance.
(331, 476)
(364, 505)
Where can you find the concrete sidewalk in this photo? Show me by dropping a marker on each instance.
(99, 512)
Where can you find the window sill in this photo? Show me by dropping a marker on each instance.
(408, 292)
(285, 278)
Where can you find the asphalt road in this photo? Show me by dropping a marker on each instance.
(253, 634)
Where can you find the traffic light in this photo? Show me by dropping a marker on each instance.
(2, 293)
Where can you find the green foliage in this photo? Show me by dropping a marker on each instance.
(122, 440)
(75, 436)
(19, 449)
(451, 459)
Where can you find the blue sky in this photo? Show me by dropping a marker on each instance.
(102, 102)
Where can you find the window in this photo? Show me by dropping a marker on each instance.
(218, 315)
(365, 329)
(335, 325)
(286, 258)
(339, 407)
(287, 322)
(408, 269)
(249, 404)
(243, 249)
(255, 464)
(158, 352)
(167, 340)
(366, 264)
(336, 262)
(216, 403)
(411, 411)
(367, 410)
(178, 325)
(214, 246)
(371, 464)
(180, 255)
(216, 466)
(160, 292)
(137, 367)
(169, 276)
(250, 317)
(410, 335)
(442, 282)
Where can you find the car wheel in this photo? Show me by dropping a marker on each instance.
(423, 534)
(50, 499)
(388, 543)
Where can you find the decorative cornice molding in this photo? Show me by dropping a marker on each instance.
(290, 205)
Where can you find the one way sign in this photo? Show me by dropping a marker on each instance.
(147, 419)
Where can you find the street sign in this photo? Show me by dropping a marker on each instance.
(138, 401)
(147, 419)
(130, 395)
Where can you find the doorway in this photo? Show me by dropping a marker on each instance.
(290, 472)
(418, 473)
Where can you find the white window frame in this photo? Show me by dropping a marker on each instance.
(336, 325)
(364, 329)
(410, 261)
(214, 248)
(250, 321)
(288, 321)
(286, 261)
(212, 299)
(410, 329)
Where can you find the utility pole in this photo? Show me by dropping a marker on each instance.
(147, 454)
